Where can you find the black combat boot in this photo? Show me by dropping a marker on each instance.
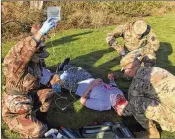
(65, 62)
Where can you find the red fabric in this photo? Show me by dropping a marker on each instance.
(121, 102)
(22, 111)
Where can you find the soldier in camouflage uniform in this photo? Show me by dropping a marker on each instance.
(139, 37)
(151, 96)
(23, 102)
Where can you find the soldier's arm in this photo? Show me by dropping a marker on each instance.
(20, 55)
(111, 37)
(84, 96)
(152, 44)
(48, 78)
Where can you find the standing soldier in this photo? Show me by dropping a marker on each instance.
(151, 96)
(139, 38)
(24, 74)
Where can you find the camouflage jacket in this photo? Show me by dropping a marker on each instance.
(21, 75)
(154, 83)
(148, 43)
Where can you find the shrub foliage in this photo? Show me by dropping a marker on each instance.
(18, 17)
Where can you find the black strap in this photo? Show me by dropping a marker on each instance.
(36, 40)
(14, 92)
(146, 32)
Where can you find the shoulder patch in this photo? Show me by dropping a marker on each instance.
(153, 38)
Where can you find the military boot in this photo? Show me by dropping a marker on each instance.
(65, 62)
(152, 131)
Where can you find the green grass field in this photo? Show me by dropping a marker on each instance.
(87, 48)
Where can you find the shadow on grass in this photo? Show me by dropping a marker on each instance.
(162, 57)
(66, 39)
(88, 61)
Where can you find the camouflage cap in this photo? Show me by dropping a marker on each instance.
(140, 27)
(127, 59)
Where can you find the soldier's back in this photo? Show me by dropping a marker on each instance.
(153, 82)
(132, 42)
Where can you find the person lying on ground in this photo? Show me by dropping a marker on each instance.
(25, 103)
(94, 93)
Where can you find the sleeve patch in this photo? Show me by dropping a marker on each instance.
(153, 38)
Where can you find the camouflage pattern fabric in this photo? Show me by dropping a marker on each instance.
(74, 75)
(22, 97)
(146, 60)
(19, 112)
(21, 74)
(147, 44)
(151, 96)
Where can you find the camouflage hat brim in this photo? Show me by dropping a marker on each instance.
(122, 69)
(129, 58)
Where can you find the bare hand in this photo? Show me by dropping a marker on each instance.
(55, 80)
(97, 82)
(111, 76)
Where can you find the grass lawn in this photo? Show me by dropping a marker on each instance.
(87, 48)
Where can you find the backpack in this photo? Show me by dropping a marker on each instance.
(106, 130)
(69, 133)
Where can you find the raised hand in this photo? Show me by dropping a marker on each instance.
(48, 24)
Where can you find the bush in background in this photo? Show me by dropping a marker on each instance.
(17, 17)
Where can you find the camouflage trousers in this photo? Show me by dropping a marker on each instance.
(72, 75)
(147, 110)
(27, 124)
